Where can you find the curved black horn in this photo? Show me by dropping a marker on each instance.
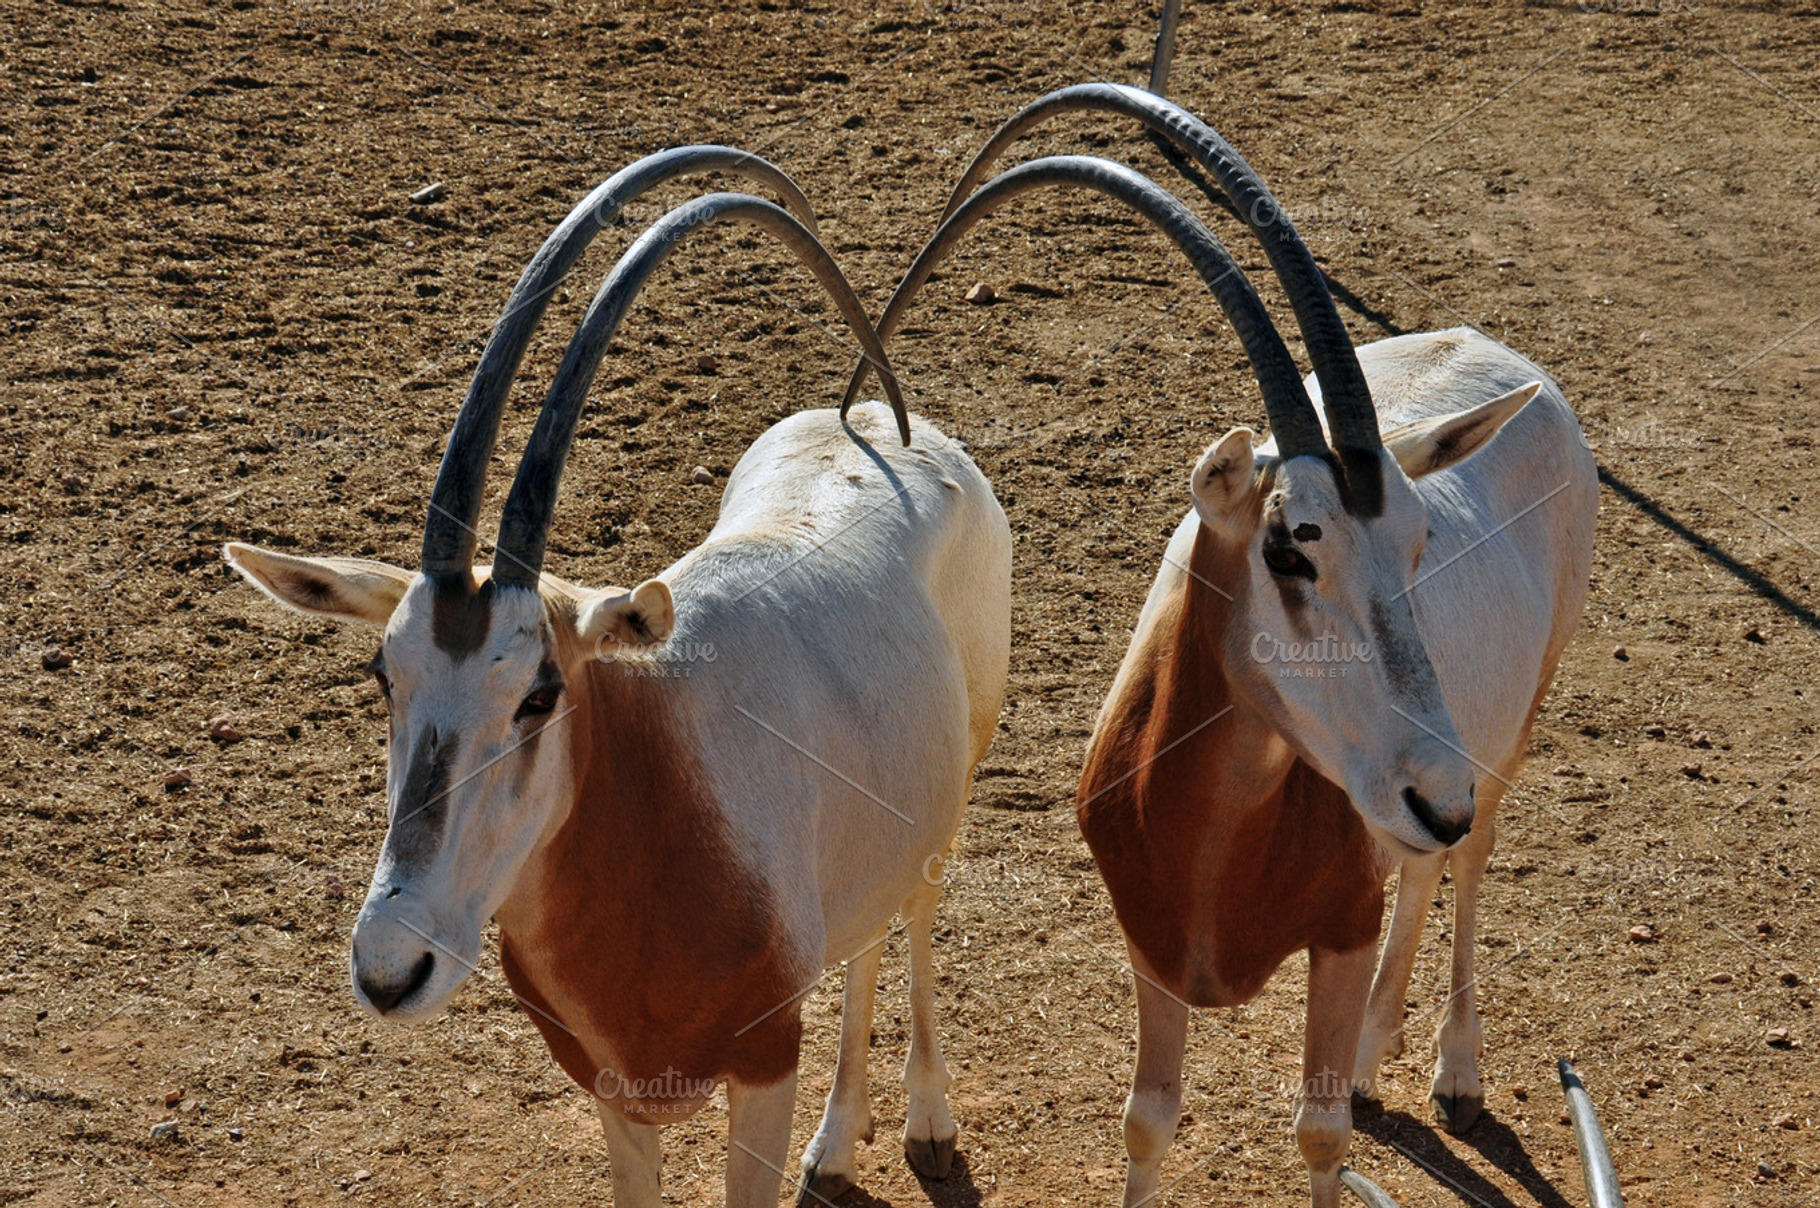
(448, 530)
(1344, 393)
(526, 522)
(1292, 417)
(1163, 56)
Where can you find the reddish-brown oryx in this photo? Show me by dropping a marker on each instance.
(673, 859)
(1337, 666)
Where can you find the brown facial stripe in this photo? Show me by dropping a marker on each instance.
(423, 806)
(1399, 660)
(460, 614)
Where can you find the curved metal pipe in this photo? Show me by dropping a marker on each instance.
(449, 536)
(1369, 1193)
(1163, 57)
(525, 524)
(1589, 1139)
(1344, 392)
(1292, 416)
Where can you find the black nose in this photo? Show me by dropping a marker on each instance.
(1445, 833)
(386, 995)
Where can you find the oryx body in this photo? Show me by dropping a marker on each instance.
(683, 801)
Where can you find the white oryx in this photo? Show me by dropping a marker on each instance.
(1420, 544)
(675, 851)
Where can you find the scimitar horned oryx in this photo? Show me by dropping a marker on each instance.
(674, 859)
(1338, 664)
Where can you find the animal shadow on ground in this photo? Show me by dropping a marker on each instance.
(1491, 1137)
(955, 1191)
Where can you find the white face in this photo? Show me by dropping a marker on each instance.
(1324, 643)
(479, 775)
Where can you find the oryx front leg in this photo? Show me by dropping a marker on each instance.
(1338, 983)
(1382, 1036)
(829, 1167)
(758, 1140)
(929, 1129)
(1154, 1106)
(1457, 1094)
(635, 1158)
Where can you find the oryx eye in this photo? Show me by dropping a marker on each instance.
(1287, 560)
(539, 702)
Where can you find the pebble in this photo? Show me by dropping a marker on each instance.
(1764, 926)
(173, 1098)
(1720, 979)
(1776, 1038)
(1519, 1091)
(702, 475)
(1787, 1120)
(223, 729)
(1507, 262)
(707, 363)
(178, 413)
(982, 294)
(1642, 933)
(236, 1134)
(1754, 634)
(177, 778)
(1692, 770)
(1656, 731)
(1621, 654)
(55, 659)
(164, 1130)
(429, 193)
(332, 890)
(1789, 977)
(362, 1175)
(73, 483)
(1700, 739)
(1765, 1170)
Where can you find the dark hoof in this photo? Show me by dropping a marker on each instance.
(1457, 1113)
(1363, 1103)
(823, 1188)
(931, 1159)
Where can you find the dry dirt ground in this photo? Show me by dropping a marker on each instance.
(226, 320)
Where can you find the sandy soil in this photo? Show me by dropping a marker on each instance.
(226, 320)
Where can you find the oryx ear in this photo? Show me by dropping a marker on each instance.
(1224, 478)
(1434, 444)
(644, 616)
(348, 589)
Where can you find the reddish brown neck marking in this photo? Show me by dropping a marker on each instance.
(644, 915)
(1222, 855)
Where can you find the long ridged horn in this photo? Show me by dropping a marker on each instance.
(1163, 57)
(525, 524)
(1344, 393)
(448, 531)
(1292, 416)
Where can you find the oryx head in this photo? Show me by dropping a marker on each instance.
(489, 672)
(1328, 533)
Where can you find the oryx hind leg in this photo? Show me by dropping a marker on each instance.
(634, 1159)
(829, 1163)
(929, 1127)
(1457, 1093)
(1154, 1108)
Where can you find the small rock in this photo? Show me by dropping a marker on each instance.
(178, 413)
(1692, 770)
(65, 1047)
(1507, 262)
(1653, 1083)
(1765, 1170)
(164, 1130)
(173, 1098)
(332, 890)
(55, 659)
(362, 1175)
(1787, 1120)
(429, 193)
(982, 294)
(1642, 933)
(236, 1134)
(1776, 1038)
(707, 363)
(223, 729)
(1621, 654)
(1764, 926)
(1520, 1091)
(702, 475)
(1720, 979)
(1700, 740)
(1789, 977)
(72, 483)
(1754, 634)
(1656, 731)
(177, 778)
